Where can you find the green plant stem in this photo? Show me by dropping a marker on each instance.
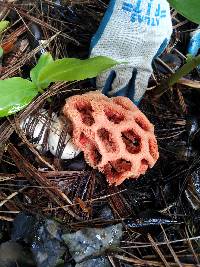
(40, 90)
(184, 70)
(174, 78)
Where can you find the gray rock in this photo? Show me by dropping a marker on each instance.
(98, 262)
(24, 227)
(92, 242)
(46, 246)
(44, 237)
(12, 253)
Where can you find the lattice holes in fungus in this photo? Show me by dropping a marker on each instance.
(115, 136)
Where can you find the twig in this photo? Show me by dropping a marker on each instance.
(33, 175)
(10, 197)
(187, 82)
(170, 248)
(191, 247)
(141, 262)
(141, 245)
(156, 248)
(6, 218)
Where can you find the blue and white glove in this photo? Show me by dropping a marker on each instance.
(132, 31)
(194, 43)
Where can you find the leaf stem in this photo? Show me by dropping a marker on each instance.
(40, 90)
(184, 70)
(174, 78)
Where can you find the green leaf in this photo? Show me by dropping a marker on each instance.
(188, 8)
(72, 69)
(43, 61)
(16, 93)
(3, 25)
(1, 51)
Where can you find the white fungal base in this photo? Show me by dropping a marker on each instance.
(70, 151)
(40, 125)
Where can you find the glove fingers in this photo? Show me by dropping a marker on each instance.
(129, 88)
(102, 78)
(108, 83)
(121, 81)
(141, 83)
(127, 82)
(114, 83)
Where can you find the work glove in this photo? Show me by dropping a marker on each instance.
(194, 43)
(133, 32)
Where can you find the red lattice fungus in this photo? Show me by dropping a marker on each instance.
(115, 136)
